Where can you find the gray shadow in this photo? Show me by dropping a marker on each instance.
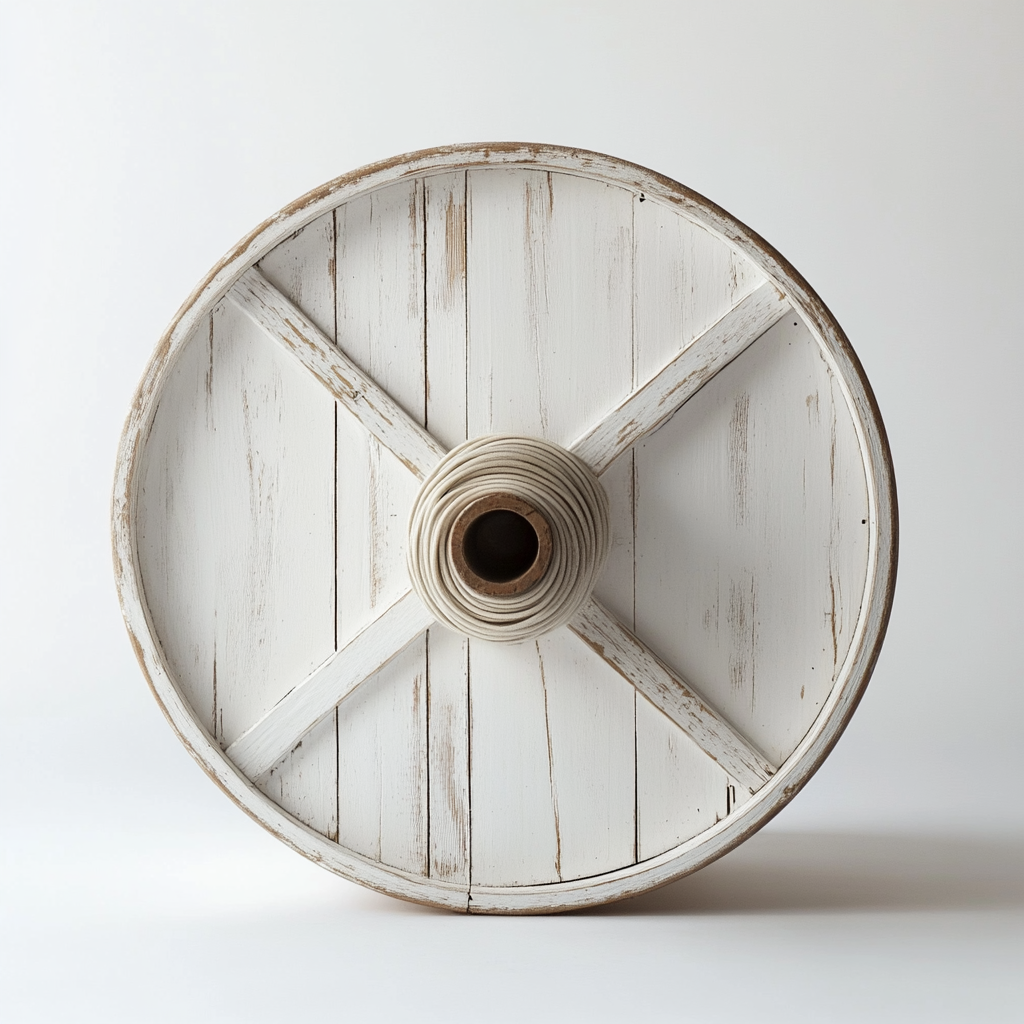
(776, 872)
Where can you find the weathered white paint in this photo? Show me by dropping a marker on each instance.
(657, 399)
(393, 776)
(685, 281)
(176, 525)
(357, 392)
(752, 540)
(447, 653)
(234, 557)
(667, 692)
(260, 747)
(382, 728)
(304, 780)
(549, 287)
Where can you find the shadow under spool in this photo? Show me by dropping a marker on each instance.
(500, 545)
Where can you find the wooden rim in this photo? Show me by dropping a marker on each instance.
(850, 682)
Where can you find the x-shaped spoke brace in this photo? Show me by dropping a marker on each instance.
(257, 750)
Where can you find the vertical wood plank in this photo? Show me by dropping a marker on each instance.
(382, 783)
(752, 597)
(685, 280)
(680, 790)
(274, 515)
(240, 466)
(305, 782)
(447, 652)
(516, 833)
(175, 524)
(549, 264)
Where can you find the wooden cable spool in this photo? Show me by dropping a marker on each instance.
(322, 370)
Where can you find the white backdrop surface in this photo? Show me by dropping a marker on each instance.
(877, 145)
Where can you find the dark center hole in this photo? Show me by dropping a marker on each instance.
(500, 546)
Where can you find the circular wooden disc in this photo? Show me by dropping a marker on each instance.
(274, 449)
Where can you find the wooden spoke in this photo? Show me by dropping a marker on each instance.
(601, 631)
(654, 402)
(370, 404)
(258, 749)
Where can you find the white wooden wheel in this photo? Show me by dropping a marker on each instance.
(319, 374)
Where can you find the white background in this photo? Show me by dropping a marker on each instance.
(879, 146)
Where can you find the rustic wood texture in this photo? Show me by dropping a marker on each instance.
(533, 290)
(671, 695)
(359, 394)
(382, 738)
(549, 278)
(447, 653)
(658, 398)
(251, 600)
(752, 597)
(261, 746)
(685, 282)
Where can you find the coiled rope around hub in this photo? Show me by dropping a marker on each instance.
(521, 476)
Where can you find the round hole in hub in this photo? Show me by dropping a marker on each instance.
(500, 544)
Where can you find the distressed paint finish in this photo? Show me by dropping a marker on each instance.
(175, 523)
(448, 752)
(263, 744)
(675, 698)
(362, 397)
(382, 736)
(549, 276)
(752, 539)
(686, 281)
(657, 399)
(240, 587)
(543, 225)
(303, 782)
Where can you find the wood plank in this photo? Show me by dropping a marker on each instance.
(268, 740)
(655, 401)
(447, 652)
(175, 525)
(304, 780)
(382, 729)
(670, 694)
(355, 390)
(243, 537)
(680, 790)
(274, 510)
(382, 790)
(752, 539)
(549, 276)
(685, 280)
(516, 833)
(590, 727)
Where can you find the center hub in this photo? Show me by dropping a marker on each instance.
(507, 537)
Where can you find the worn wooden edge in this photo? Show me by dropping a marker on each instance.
(850, 683)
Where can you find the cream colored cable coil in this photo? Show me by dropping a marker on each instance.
(559, 485)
